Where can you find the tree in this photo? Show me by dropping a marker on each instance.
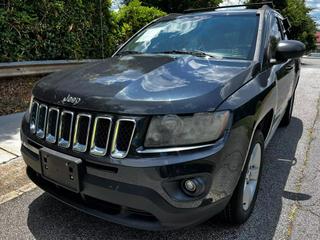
(176, 6)
(303, 26)
(132, 17)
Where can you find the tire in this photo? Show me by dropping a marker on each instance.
(286, 119)
(240, 206)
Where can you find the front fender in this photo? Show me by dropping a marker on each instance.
(250, 104)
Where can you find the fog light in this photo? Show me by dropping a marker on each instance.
(193, 187)
(190, 186)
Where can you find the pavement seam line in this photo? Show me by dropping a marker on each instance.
(16, 193)
(8, 151)
(298, 185)
(12, 159)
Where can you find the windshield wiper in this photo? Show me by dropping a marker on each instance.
(197, 53)
(128, 52)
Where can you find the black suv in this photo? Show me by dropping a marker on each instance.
(171, 129)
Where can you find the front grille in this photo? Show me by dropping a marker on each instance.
(33, 117)
(80, 140)
(123, 136)
(82, 132)
(41, 121)
(52, 125)
(100, 136)
(65, 129)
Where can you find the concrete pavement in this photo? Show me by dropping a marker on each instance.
(287, 206)
(10, 137)
(13, 180)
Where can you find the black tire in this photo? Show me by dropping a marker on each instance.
(235, 213)
(286, 119)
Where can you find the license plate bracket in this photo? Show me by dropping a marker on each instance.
(61, 169)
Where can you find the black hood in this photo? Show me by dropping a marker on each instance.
(146, 84)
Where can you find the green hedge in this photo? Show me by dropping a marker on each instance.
(73, 29)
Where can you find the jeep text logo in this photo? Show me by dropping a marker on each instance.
(71, 100)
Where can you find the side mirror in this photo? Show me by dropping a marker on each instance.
(287, 49)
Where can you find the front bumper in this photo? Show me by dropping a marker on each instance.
(147, 197)
(123, 203)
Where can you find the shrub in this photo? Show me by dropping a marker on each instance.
(133, 17)
(73, 29)
(52, 29)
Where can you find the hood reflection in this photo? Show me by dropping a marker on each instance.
(148, 83)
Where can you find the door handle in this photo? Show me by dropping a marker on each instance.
(289, 68)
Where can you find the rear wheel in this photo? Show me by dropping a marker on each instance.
(243, 199)
(286, 119)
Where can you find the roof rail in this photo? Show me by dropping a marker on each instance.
(249, 5)
(169, 17)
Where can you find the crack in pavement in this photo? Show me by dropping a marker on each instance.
(309, 211)
(298, 185)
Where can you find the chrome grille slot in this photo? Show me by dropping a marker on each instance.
(52, 125)
(81, 135)
(100, 136)
(65, 129)
(41, 121)
(33, 116)
(122, 138)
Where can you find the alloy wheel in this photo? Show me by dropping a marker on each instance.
(252, 176)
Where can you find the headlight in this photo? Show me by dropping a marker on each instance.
(172, 130)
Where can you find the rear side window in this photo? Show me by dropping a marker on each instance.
(227, 36)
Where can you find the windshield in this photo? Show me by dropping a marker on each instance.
(226, 36)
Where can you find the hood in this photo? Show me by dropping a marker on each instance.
(146, 84)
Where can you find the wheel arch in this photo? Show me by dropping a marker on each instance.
(265, 124)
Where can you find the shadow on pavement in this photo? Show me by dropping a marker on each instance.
(50, 219)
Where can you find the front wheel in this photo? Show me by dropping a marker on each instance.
(243, 199)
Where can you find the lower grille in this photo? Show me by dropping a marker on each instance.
(68, 129)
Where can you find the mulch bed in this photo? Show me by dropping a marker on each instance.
(15, 94)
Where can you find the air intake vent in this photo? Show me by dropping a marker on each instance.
(52, 125)
(122, 138)
(65, 129)
(41, 121)
(81, 135)
(100, 136)
(33, 116)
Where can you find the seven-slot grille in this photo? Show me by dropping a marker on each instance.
(68, 129)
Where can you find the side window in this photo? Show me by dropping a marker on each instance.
(276, 30)
(276, 35)
(284, 35)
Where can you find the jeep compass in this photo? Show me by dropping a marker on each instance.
(171, 129)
